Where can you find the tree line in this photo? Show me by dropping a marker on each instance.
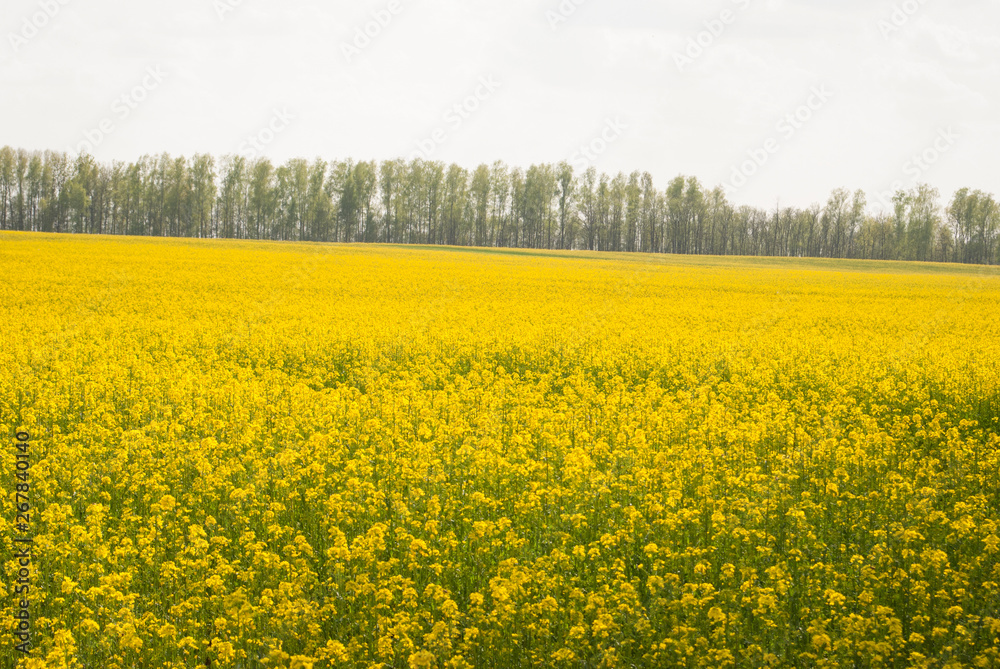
(547, 206)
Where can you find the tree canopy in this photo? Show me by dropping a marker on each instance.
(547, 206)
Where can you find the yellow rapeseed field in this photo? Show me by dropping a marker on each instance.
(276, 455)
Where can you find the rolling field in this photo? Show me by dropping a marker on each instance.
(277, 455)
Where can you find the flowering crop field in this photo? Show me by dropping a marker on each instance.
(296, 455)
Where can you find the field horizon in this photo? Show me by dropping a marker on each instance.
(684, 259)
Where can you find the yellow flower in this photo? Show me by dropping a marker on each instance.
(225, 650)
(422, 660)
(563, 655)
(167, 503)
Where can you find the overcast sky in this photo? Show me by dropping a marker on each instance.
(775, 99)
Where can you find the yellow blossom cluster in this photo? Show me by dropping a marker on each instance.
(311, 456)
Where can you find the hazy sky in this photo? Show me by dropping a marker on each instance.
(772, 98)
